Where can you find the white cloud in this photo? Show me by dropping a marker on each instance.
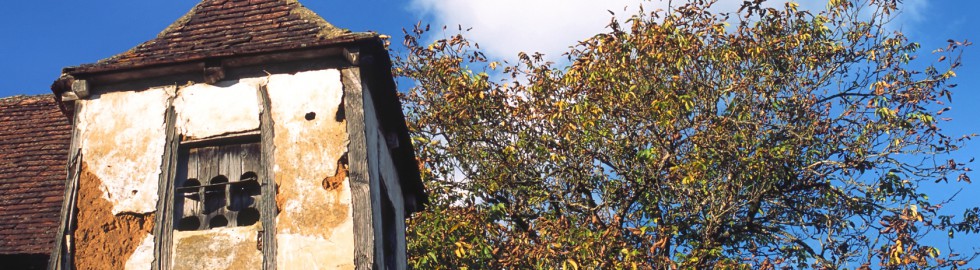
(505, 27)
(912, 12)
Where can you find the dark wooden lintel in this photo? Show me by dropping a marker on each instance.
(224, 139)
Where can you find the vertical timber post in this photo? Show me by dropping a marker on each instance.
(268, 209)
(360, 185)
(61, 254)
(163, 225)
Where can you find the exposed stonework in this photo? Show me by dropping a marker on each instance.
(314, 225)
(218, 248)
(104, 240)
(122, 138)
(205, 110)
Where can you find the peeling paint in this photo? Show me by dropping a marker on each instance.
(314, 225)
(104, 240)
(142, 258)
(205, 110)
(218, 248)
(122, 136)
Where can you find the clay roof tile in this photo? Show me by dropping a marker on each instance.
(216, 28)
(34, 139)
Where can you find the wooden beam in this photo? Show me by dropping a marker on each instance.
(69, 96)
(224, 139)
(214, 72)
(81, 88)
(61, 257)
(268, 209)
(359, 171)
(163, 224)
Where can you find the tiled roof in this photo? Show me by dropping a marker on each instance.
(216, 28)
(34, 141)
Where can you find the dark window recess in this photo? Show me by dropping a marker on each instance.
(390, 236)
(231, 195)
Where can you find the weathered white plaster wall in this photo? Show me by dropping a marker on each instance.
(142, 258)
(219, 248)
(205, 110)
(298, 251)
(315, 225)
(122, 137)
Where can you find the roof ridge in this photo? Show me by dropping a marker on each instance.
(215, 27)
(302, 10)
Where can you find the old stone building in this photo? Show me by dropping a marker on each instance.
(250, 134)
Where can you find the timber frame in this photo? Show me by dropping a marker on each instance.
(365, 69)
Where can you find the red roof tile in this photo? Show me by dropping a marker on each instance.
(216, 28)
(34, 141)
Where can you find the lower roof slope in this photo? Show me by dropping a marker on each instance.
(34, 141)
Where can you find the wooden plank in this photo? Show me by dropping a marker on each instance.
(190, 206)
(192, 160)
(232, 138)
(163, 225)
(233, 160)
(373, 143)
(206, 165)
(267, 208)
(252, 158)
(232, 168)
(61, 254)
(60, 257)
(364, 240)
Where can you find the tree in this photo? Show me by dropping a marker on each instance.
(763, 138)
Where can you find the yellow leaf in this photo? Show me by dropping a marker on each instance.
(573, 263)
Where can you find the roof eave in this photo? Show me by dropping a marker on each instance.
(69, 74)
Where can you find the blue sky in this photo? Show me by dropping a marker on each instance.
(39, 37)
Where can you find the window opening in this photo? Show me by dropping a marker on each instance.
(229, 198)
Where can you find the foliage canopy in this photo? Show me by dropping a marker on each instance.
(763, 138)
